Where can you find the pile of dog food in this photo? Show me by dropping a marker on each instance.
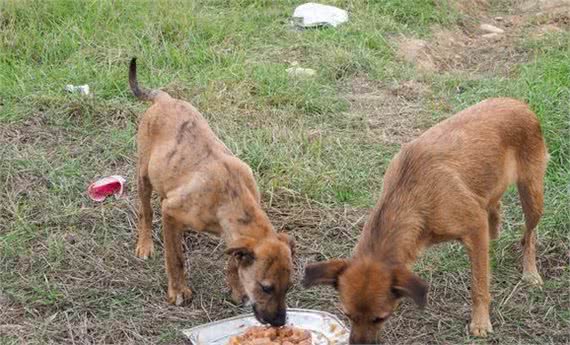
(260, 335)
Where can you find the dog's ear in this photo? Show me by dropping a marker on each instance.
(324, 273)
(289, 240)
(242, 250)
(408, 284)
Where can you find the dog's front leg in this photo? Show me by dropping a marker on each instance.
(477, 245)
(232, 277)
(178, 291)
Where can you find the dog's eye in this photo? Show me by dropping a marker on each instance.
(377, 320)
(268, 289)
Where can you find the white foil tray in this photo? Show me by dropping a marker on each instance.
(326, 328)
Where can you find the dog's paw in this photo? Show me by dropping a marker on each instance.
(144, 249)
(481, 327)
(178, 297)
(532, 278)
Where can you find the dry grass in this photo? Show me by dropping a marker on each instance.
(106, 295)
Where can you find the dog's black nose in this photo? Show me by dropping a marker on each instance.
(276, 320)
(279, 319)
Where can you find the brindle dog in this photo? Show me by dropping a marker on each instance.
(204, 187)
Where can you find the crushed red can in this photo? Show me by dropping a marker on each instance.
(107, 186)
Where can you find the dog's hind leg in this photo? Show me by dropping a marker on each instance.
(532, 162)
(531, 192)
(145, 247)
(178, 290)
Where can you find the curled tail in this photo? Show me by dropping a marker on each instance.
(140, 93)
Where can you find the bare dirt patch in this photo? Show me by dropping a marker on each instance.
(469, 49)
(554, 21)
(393, 114)
(418, 52)
(473, 7)
(541, 5)
(460, 51)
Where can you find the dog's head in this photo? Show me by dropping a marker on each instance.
(369, 292)
(265, 268)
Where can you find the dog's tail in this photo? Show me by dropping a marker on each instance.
(141, 93)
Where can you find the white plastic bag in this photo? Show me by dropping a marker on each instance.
(312, 14)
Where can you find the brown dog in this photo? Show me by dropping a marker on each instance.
(445, 185)
(203, 186)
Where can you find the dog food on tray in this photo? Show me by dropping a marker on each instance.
(263, 335)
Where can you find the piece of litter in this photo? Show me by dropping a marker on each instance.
(82, 89)
(312, 14)
(111, 185)
(491, 28)
(301, 72)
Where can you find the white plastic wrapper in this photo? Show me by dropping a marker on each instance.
(82, 89)
(301, 72)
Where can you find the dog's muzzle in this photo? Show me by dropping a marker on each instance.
(276, 320)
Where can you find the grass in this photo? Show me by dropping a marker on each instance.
(318, 147)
